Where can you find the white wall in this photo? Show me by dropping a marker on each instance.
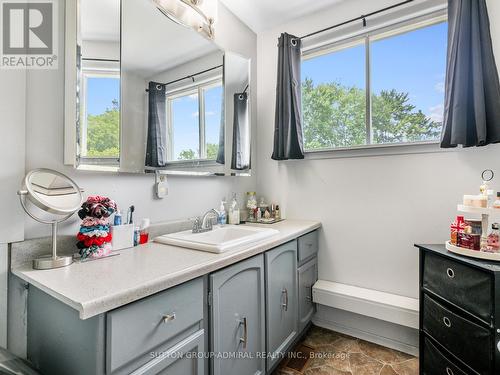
(12, 128)
(373, 209)
(44, 146)
(94, 49)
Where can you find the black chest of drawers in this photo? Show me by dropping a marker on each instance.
(459, 313)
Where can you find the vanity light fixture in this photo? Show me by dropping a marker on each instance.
(189, 14)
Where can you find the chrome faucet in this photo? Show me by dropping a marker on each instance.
(205, 223)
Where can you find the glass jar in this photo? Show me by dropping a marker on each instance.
(251, 205)
(456, 227)
(494, 239)
(263, 207)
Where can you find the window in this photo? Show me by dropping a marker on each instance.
(194, 121)
(100, 119)
(402, 69)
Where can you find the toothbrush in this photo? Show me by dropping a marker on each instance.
(131, 213)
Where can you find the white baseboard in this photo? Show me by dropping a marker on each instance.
(389, 307)
(367, 336)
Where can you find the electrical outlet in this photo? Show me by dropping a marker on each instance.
(161, 185)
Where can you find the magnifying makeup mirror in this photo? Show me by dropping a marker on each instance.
(57, 195)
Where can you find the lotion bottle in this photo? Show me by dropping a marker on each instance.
(222, 219)
(234, 212)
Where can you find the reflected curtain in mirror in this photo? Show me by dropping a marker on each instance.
(288, 142)
(221, 152)
(472, 97)
(240, 158)
(156, 148)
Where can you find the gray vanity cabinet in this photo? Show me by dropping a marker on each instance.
(148, 335)
(245, 316)
(182, 359)
(281, 301)
(307, 275)
(237, 318)
(156, 335)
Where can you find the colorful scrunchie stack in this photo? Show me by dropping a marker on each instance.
(94, 238)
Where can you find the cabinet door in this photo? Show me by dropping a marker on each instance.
(307, 275)
(237, 318)
(185, 358)
(281, 300)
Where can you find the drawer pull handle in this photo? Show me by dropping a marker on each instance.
(310, 296)
(447, 322)
(244, 339)
(450, 273)
(284, 293)
(168, 318)
(449, 371)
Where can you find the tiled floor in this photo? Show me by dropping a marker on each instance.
(337, 354)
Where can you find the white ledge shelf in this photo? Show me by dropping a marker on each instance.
(376, 304)
(478, 210)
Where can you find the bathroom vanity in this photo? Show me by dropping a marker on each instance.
(161, 309)
(459, 313)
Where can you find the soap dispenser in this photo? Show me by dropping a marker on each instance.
(234, 211)
(222, 219)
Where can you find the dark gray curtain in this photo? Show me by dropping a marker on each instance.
(472, 99)
(156, 148)
(288, 142)
(221, 153)
(240, 157)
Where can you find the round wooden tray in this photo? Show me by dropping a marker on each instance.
(472, 253)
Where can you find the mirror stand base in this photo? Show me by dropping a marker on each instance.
(48, 262)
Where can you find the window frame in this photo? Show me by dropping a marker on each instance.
(86, 73)
(386, 30)
(198, 88)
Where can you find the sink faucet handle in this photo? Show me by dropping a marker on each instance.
(196, 224)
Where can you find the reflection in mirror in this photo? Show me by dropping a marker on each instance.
(153, 94)
(98, 131)
(238, 83)
(53, 191)
(182, 109)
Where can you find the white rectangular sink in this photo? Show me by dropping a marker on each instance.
(218, 240)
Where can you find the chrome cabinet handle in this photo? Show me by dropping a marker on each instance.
(447, 322)
(168, 317)
(285, 304)
(310, 296)
(450, 273)
(244, 339)
(449, 371)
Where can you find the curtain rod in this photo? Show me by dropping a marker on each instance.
(190, 76)
(360, 18)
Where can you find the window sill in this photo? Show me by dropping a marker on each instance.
(98, 168)
(377, 150)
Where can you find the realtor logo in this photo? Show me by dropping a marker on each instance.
(29, 34)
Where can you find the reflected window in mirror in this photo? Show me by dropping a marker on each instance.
(107, 101)
(194, 116)
(100, 115)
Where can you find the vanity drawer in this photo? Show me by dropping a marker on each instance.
(135, 330)
(182, 359)
(462, 285)
(458, 335)
(435, 362)
(308, 246)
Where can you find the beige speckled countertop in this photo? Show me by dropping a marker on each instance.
(96, 287)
